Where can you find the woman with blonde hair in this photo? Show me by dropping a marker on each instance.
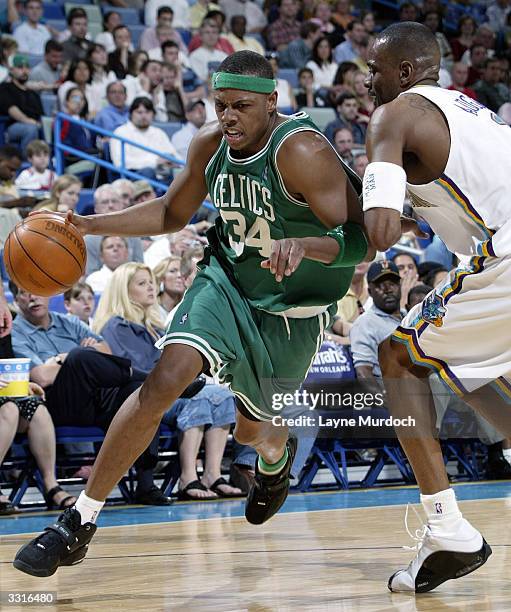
(65, 194)
(170, 284)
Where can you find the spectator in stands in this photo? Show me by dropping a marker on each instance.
(459, 76)
(117, 112)
(142, 191)
(80, 302)
(353, 47)
(497, 14)
(21, 104)
(172, 244)
(152, 39)
(111, 20)
(191, 84)
(342, 14)
(148, 85)
(181, 12)
(166, 33)
(299, 51)
(106, 199)
(365, 101)
(286, 28)
(101, 77)
(489, 90)
(73, 134)
(218, 18)
(119, 60)
(77, 46)
(32, 35)
(486, 37)
(113, 252)
(379, 321)
(49, 70)
(356, 301)
(348, 117)
(65, 194)
(198, 12)
(343, 80)
(173, 91)
(38, 176)
(369, 22)
(139, 129)
(137, 60)
(80, 76)
(308, 93)
(170, 284)
(408, 12)
(416, 295)
(8, 48)
(322, 63)
(125, 190)
(237, 37)
(207, 52)
(360, 163)
(436, 275)
(195, 119)
(465, 38)
(10, 161)
(408, 272)
(433, 21)
(256, 20)
(286, 98)
(343, 144)
(478, 57)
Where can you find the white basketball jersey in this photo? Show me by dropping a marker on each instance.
(471, 200)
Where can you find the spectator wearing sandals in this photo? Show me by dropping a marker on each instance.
(29, 415)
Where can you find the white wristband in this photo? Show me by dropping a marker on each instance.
(384, 186)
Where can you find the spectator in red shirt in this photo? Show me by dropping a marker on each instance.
(223, 44)
(478, 56)
(459, 76)
(286, 28)
(465, 38)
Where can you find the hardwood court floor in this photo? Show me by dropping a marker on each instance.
(326, 560)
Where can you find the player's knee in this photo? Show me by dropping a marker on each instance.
(160, 390)
(248, 436)
(393, 358)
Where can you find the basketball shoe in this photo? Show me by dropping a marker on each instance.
(440, 557)
(268, 493)
(64, 543)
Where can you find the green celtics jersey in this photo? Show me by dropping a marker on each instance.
(255, 209)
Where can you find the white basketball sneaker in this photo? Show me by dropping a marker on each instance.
(441, 557)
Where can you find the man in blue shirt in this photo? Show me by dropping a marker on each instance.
(116, 113)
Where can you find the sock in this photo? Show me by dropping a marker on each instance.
(272, 469)
(507, 454)
(442, 511)
(88, 508)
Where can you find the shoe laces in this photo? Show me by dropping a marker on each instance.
(419, 535)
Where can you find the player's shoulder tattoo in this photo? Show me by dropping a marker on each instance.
(418, 102)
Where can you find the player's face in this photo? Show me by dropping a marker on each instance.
(141, 289)
(244, 117)
(383, 80)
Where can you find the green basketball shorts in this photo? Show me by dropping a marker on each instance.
(256, 353)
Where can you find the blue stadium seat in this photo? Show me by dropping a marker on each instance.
(129, 16)
(56, 304)
(85, 204)
(290, 75)
(49, 102)
(186, 35)
(58, 24)
(136, 33)
(170, 128)
(33, 60)
(53, 11)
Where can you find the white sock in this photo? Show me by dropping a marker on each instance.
(507, 454)
(442, 511)
(88, 508)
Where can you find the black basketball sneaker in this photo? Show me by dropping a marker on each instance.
(268, 493)
(64, 543)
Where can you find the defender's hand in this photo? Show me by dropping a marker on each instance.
(285, 257)
(410, 225)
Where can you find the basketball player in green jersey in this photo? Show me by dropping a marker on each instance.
(282, 251)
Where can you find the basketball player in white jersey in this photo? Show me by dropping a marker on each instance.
(453, 156)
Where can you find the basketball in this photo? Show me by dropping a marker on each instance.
(45, 255)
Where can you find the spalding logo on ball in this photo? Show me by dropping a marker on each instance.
(45, 255)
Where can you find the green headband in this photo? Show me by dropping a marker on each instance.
(226, 80)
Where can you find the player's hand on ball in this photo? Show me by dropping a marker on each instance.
(81, 223)
(285, 257)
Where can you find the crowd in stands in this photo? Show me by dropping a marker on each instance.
(132, 81)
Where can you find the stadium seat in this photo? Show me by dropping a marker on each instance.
(136, 33)
(186, 35)
(320, 116)
(129, 16)
(56, 304)
(57, 24)
(170, 128)
(93, 12)
(49, 102)
(53, 11)
(290, 75)
(85, 204)
(33, 60)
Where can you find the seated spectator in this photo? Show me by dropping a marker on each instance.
(486, 37)
(408, 272)
(299, 51)
(187, 79)
(29, 415)
(286, 28)
(195, 119)
(77, 45)
(459, 77)
(342, 14)
(106, 199)
(285, 96)
(135, 63)
(172, 244)
(207, 52)
(10, 161)
(142, 192)
(173, 92)
(198, 12)
(38, 176)
(139, 129)
(65, 194)
(360, 163)
(32, 35)
(213, 18)
(365, 101)
(308, 93)
(237, 38)
(465, 38)
(256, 20)
(369, 22)
(119, 59)
(322, 15)
(125, 190)
(8, 48)
(48, 73)
(170, 285)
(436, 275)
(22, 105)
(348, 117)
(80, 76)
(478, 57)
(113, 252)
(322, 64)
(352, 48)
(148, 84)
(181, 12)
(343, 81)
(343, 144)
(489, 90)
(111, 20)
(101, 77)
(497, 13)
(73, 134)
(416, 295)
(433, 21)
(116, 113)
(79, 301)
(152, 38)
(356, 301)
(408, 12)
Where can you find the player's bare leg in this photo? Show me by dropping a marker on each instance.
(450, 547)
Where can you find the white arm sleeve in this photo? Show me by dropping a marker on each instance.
(384, 186)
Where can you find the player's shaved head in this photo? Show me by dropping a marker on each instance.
(247, 62)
